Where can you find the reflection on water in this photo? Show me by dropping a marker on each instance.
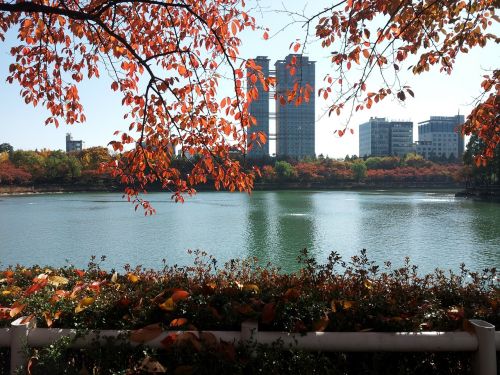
(434, 229)
(296, 226)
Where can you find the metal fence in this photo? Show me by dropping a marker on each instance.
(483, 341)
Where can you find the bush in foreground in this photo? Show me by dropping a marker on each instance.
(357, 295)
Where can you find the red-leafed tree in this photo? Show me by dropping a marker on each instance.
(165, 57)
(10, 174)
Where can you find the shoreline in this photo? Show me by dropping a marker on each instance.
(61, 189)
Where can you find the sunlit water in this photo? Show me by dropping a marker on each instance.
(433, 229)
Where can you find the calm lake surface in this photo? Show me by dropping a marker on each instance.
(433, 228)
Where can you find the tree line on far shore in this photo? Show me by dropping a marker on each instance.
(20, 167)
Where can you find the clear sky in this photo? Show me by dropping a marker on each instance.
(436, 94)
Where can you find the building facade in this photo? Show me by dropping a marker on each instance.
(440, 137)
(295, 124)
(379, 137)
(72, 145)
(259, 109)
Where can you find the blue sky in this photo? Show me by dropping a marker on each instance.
(435, 93)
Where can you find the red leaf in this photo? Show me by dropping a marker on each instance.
(268, 313)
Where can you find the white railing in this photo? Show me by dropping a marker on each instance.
(484, 341)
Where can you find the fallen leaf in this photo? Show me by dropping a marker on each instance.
(179, 295)
(83, 304)
(58, 280)
(179, 322)
(151, 365)
(168, 305)
(146, 334)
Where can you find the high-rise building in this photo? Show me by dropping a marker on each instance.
(295, 124)
(440, 136)
(259, 109)
(72, 145)
(379, 137)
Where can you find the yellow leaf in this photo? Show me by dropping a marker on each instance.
(58, 280)
(83, 304)
(168, 305)
(114, 278)
(133, 278)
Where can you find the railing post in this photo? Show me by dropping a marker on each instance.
(18, 339)
(248, 330)
(485, 361)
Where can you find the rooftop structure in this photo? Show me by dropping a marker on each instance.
(72, 145)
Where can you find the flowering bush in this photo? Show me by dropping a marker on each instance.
(357, 295)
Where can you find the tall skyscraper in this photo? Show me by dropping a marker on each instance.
(440, 136)
(379, 137)
(295, 124)
(259, 109)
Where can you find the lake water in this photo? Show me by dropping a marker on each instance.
(433, 228)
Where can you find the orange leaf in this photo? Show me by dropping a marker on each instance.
(8, 274)
(179, 322)
(80, 273)
(179, 295)
(16, 309)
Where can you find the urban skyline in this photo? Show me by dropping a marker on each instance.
(295, 124)
(438, 136)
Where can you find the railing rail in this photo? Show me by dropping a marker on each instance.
(484, 341)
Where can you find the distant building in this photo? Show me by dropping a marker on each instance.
(259, 109)
(295, 125)
(379, 137)
(72, 145)
(440, 136)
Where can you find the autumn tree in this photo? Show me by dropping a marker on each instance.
(166, 58)
(10, 174)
